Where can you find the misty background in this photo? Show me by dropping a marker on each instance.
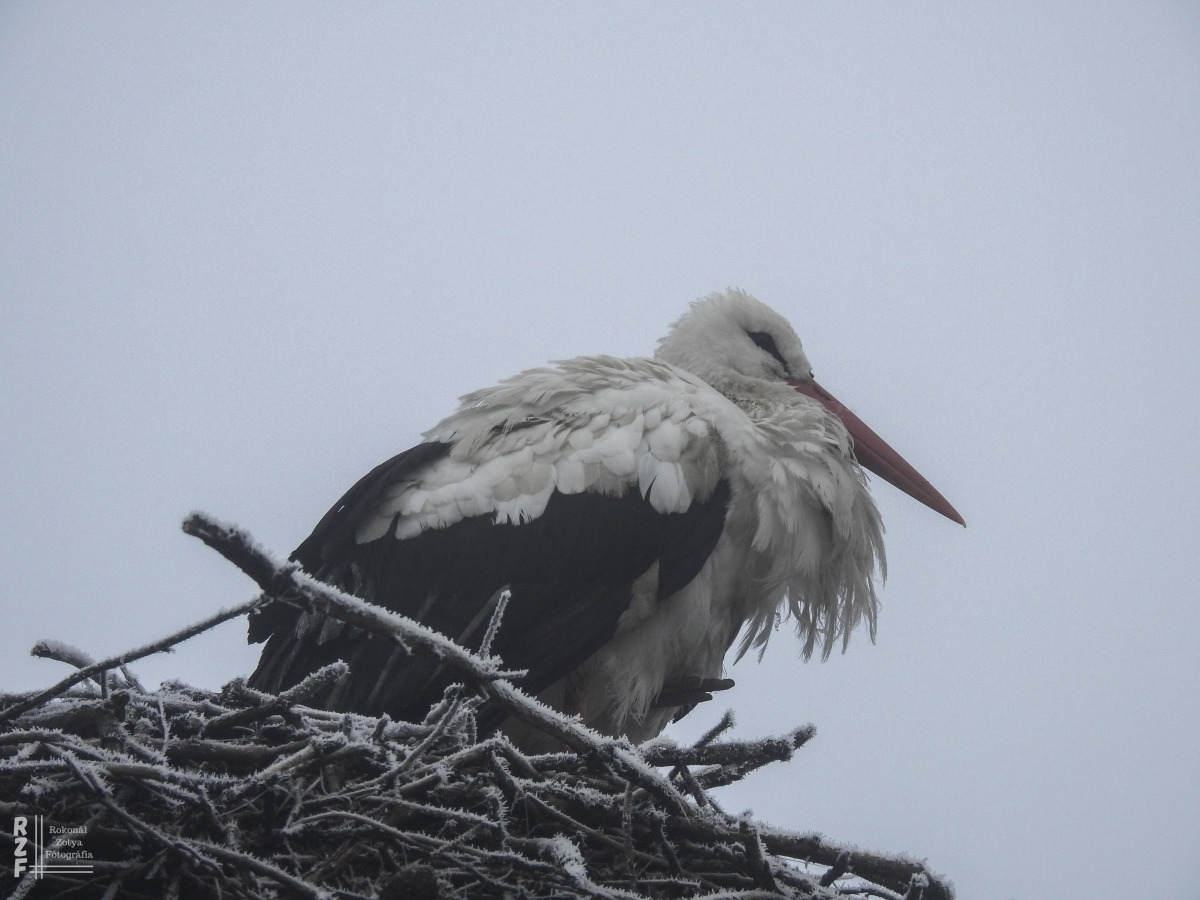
(249, 251)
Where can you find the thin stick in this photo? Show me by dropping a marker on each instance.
(485, 648)
(732, 753)
(727, 722)
(129, 656)
(446, 720)
(627, 828)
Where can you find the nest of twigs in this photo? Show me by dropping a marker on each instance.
(189, 793)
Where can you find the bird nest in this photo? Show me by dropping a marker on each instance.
(179, 792)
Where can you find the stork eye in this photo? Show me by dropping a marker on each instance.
(765, 342)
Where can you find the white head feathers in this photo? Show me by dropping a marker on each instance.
(727, 332)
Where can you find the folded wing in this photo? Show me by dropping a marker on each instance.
(563, 486)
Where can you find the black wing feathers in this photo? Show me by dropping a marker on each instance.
(570, 572)
(334, 534)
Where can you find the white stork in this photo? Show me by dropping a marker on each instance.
(642, 513)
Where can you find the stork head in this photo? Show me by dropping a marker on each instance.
(733, 332)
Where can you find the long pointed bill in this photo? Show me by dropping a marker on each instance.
(873, 453)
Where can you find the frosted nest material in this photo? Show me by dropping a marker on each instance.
(182, 792)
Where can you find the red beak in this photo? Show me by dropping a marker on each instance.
(873, 453)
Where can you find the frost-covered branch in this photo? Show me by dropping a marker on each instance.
(124, 659)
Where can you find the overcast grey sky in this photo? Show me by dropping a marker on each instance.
(249, 251)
